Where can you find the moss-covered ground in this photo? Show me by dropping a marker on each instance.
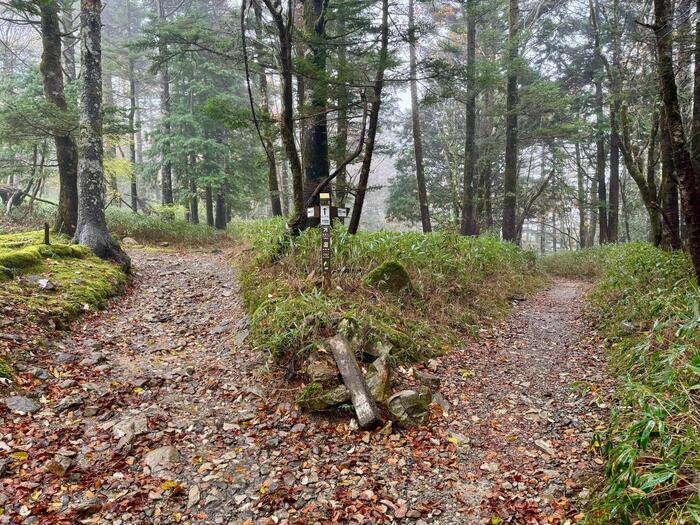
(46, 286)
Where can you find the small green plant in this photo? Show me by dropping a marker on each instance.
(167, 226)
(456, 278)
(652, 443)
(583, 264)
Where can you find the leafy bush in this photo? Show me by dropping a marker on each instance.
(587, 263)
(457, 280)
(650, 309)
(152, 229)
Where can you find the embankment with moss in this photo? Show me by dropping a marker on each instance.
(409, 295)
(46, 286)
(647, 302)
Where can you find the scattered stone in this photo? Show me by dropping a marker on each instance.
(88, 508)
(66, 358)
(432, 381)
(439, 400)
(131, 427)
(299, 427)
(59, 465)
(491, 467)
(193, 496)
(40, 373)
(410, 407)
(379, 380)
(69, 403)
(321, 368)
(161, 458)
(545, 447)
(94, 359)
(129, 241)
(21, 404)
(67, 383)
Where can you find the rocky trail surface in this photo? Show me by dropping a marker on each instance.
(156, 412)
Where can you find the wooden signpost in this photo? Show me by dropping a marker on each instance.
(326, 212)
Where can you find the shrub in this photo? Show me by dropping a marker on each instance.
(587, 263)
(457, 281)
(152, 229)
(650, 309)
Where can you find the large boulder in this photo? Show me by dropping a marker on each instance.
(389, 276)
(410, 407)
(321, 368)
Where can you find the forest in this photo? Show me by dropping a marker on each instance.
(350, 261)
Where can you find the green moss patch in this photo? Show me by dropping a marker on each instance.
(56, 281)
(389, 276)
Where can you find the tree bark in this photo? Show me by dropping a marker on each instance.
(416, 125)
(69, 41)
(581, 198)
(132, 117)
(91, 230)
(316, 167)
(66, 149)
(285, 29)
(272, 183)
(165, 108)
(209, 205)
(468, 225)
(510, 181)
(341, 149)
(373, 122)
(220, 215)
(689, 181)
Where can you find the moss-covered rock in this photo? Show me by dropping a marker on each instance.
(390, 276)
(5, 369)
(315, 397)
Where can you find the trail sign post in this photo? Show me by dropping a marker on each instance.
(326, 212)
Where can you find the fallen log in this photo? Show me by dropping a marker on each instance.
(368, 414)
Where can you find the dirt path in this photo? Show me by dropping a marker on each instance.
(168, 366)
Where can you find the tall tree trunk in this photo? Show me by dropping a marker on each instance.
(468, 226)
(614, 189)
(114, 195)
(220, 215)
(510, 181)
(194, 201)
(373, 122)
(415, 115)
(166, 170)
(285, 29)
(670, 216)
(272, 183)
(132, 118)
(341, 147)
(581, 198)
(316, 167)
(91, 230)
(597, 67)
(66, 149)
(593, 219)
(689, 181)
(209, 205)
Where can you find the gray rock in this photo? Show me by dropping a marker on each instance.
(379, 379)
(410, 407)
(40, 373)
(131, 427)
(66, 358)
(129, 241)
(69, 403)
(321, 368)
(68, 383)
(432, 381)
(21, 404)
(95, 358)
(59, 465)
(161, 458)
(194, 496)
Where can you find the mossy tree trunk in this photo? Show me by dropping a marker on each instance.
(66, 149)
(91, 230)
